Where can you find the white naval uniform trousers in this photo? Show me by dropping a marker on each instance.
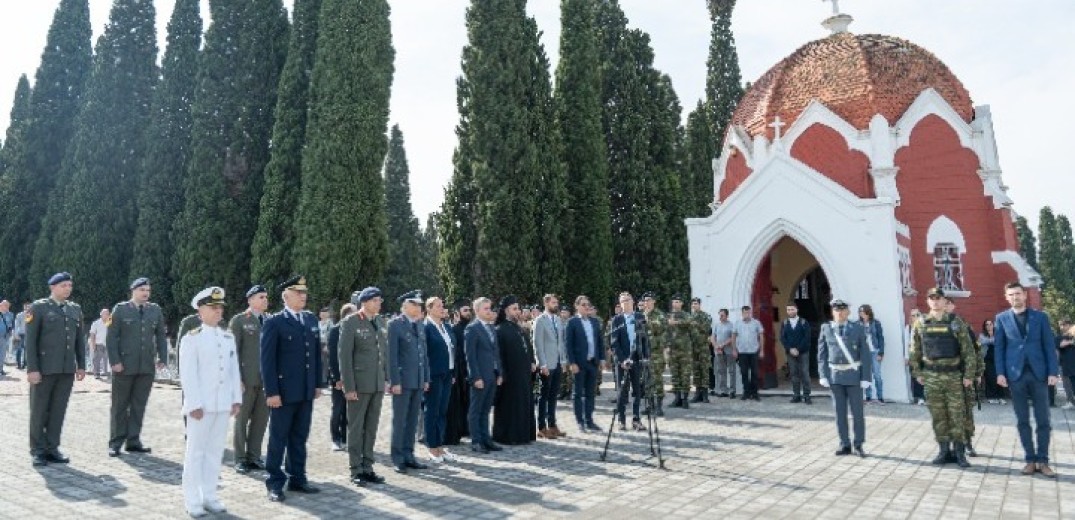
(209, 374)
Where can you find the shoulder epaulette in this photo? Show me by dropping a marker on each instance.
(194, 331)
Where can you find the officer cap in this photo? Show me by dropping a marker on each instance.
(935, 291)
(648, 295)
(257, 289)
(365, 295)
(208, 296)
(140, 282)
(59, 278)
(295, 283)
(838, 304)
(677, 298)
(412, 297)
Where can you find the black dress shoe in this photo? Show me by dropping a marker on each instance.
(113, 452)
(358, 481)
(276, 496)
(623, 426)
(139, 449)
(305, 487)
(413, 464)
(242, 468)
(859, 451)
(796, 399)
(39, 460)
(479, 448)
(372, 478)
(492, 446)
(257, 464)
(400, 468)
(57, 457)
(807, 400)
(846, 450)
(594, 428)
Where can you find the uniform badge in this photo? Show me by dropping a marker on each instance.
(29, 317)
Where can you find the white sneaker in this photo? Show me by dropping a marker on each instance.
(197, 512)
(449, 456)
(921, 402)
(215, 507)
(435, 459)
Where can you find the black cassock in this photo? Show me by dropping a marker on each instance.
(459, 398)
(513, 410)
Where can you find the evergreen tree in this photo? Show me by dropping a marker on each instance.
(1028, 245)
(723, 84)
(274, 240)
(167, 155)
(404, 237)
(1054, 267)
(245, 48)
(666, 144)
(588, 233)
(699, 148)
(457, 221)
(340, 237)
(91, 217)
(430, 268)
(54, 105)
(14, 141)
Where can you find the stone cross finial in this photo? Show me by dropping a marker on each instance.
(835, 6)
(776, 125)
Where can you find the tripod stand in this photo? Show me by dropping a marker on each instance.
(651, 405)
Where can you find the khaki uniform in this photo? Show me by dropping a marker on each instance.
(253, 417)
(136, 339)
(363, 351)
(56, 348)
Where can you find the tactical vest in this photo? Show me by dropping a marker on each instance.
(939, 340)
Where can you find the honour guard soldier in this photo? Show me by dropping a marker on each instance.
(137, 348)
(293, 378)
(408, 375)
(363, 350)
(843, 359)
(253, 418)
(681, 340)
(970, 394)
(942, 361)
(656, 331)
(212, 395)
(55, 358)
(702, 353)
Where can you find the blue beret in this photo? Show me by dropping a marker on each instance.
(413, 297)
(255, 290)
(59, 278)
(139, 283)
(369, 293)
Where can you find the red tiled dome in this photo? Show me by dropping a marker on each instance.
(856, 76)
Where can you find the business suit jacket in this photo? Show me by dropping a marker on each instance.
(407, 364)
(55, 339)
(246, 329)
(1014, 351)
(136, 339)
(437, 349)
(291, 357)
(621, 340)
(795, 337)
(363, 352)
(829, 353)
(548, 339)
(483, 357)
(577, 345)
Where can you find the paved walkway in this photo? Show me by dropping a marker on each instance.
(727, 459)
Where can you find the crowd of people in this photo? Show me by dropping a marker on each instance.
(491, 373)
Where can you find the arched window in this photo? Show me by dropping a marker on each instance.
(944, 241)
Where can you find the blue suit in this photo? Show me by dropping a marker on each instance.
(440, 382)
(483, 362)
(1027, 360)
(408, 369)
(579, 353)
(291, 369)
(623, 349)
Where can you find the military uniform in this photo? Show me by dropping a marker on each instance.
(55, 348)
(969, 398)
(943, 356)
(136, 339)
(657, 331)
(681, 340)
(363, 352)
(702, 355)
(253, 417)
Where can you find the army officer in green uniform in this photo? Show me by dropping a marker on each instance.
(363, 351)
(253, 417)
(55, 358)
(137, 348)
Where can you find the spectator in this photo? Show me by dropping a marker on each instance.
(994, 394)
(749, 338)
(7, 330)
(18, 338)
(1067, 360)
(98, 342)
(724, 364)
(875, 338)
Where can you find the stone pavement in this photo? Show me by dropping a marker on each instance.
(727, 459)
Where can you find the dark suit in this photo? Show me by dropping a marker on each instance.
(1026, 356)
(624, 349)
(584, 351)
(337, 425)
(440, 353)
(845, 375)
(291, 369)
(253, 417)
(797, 337)
(408, 369)
(483, 363)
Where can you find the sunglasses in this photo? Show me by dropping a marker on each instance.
(934, 297)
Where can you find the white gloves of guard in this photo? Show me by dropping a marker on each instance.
(824, 382)
(865, 384)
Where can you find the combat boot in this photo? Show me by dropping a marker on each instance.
(685, 400)
(960, 452)
(942, 455)
(697, 396)
(660, 408)
(705, 395)
(970, 450)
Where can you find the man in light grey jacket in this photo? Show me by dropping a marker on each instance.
(549, 349)
(843, 360)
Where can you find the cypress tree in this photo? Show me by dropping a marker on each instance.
(699, 148)
(430, 254)
(274, 240)
(1054, 271)
(457, 221)
(245, 48)
(168, 155)
(91, 217)
(723, 84)
(404, 237)
(588, 233)
(666, 144)
(1028, 245)
(14, 141)
(54, 105)
(340, 237)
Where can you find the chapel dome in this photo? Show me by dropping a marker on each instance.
(855, 76)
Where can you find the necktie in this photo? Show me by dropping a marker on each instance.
(141, 310)
(261, 319)
(841, 331)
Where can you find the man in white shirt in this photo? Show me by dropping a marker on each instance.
(749, 339)
(98, 341)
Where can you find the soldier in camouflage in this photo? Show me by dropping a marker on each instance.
(682, 335)
(702, 353)
(969, 397)
(657, 331)
(943, 360)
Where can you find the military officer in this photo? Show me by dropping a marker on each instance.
(293, 378)
(363, 352)
(681, 340)
(843, 358)
(969, 397)
(702, 353)
(55, 358)
(253, 418)
(137, 348)
(942, 360)
(212, 394)
(657, 332)
(408, 375)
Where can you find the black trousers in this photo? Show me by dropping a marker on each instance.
(550, 385)
(634, 385)
(337, 424)
(748, 368)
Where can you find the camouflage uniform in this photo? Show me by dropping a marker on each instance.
(968, 392)
(657, 330)
(701, 354)
(681, 340)
(943, 377)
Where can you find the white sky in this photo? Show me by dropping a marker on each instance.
(1018, 57)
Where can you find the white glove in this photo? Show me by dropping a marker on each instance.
(824, 382)
(865, 384)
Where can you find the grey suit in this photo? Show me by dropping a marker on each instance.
(253, 417)
(845, 375)
(55, 347)
(136, 339)
(408, 369)
(362, 351)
